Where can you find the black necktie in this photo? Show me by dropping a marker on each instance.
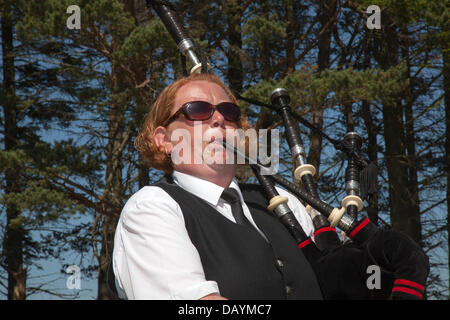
(231, 196)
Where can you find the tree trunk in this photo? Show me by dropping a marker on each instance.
(372, 146)
(14, 232)
(291, 34)
(403, 204)
(415, 226)
(137, 9)
(266, 70)
(235, 75)
(327, 10)
(348, 114)
(404, 208)
(117, 139)
(446, 72)
(372, 151)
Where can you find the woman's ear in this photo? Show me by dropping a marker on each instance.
(162, 140)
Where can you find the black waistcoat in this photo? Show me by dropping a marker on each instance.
(237, 257)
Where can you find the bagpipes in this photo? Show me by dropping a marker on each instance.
(375, 263)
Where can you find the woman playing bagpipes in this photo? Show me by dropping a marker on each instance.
(198, 234)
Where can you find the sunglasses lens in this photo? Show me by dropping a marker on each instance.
(230, 111)
(202, 110)
(198, 110)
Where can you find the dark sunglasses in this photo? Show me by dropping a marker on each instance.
(202, 110)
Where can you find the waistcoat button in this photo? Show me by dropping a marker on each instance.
(280, 263)
(288, 290)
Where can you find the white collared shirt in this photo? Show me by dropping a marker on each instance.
(154, 257)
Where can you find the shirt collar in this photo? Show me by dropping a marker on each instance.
(203, 189)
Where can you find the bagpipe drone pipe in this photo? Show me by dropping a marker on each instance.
(377, 263)
(346, 270)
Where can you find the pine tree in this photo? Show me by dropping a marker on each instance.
(122, 62)
(29, 111)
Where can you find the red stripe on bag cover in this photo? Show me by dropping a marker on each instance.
(358, 228)
(409, 283)
(304, 243)
(407, 290)
(323, 230)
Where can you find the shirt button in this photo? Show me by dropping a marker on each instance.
(280, 263)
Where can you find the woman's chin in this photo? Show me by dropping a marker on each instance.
(220, 167)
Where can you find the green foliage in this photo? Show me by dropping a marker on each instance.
(100, 19)
(260, 32)
(404, 12)
(146, 42)
(335, 87)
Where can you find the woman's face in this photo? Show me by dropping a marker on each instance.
(194, 145)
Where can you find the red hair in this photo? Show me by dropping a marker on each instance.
(160, 113)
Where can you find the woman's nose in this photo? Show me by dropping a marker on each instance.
(217, 119)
